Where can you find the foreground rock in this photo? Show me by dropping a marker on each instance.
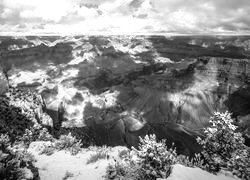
(186, 173)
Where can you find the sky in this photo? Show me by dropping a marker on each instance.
(124, 17)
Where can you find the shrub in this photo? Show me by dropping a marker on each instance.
(36, 133)
(122, 170)
(152, 160)
(65, 142)
(223, 147)
(14, 164)
(155, 158)
(101, 153)
(68, 142)
(48, 150)
(123, 153)
(196, 161)
(68, 175)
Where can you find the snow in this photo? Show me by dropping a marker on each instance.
(125, 46)
(66, 91)
(75, 112)
(16, 47)
(140, 62)
(88, 56)
(163, 60)
(70, 73)
(181, 172)
(105, 100)
(55, 166)
(28, 77)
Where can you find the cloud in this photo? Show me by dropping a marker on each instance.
(124, 16)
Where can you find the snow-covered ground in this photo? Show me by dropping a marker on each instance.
(55, 166)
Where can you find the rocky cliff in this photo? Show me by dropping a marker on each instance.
(119, 88)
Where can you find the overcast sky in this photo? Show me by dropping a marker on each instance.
(124, 16)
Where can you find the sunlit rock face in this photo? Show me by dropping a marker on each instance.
(120, 88)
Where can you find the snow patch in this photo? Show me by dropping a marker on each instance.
(88, 56)
(104, 100)
(28, 77)
(70, 73)
(163, 60)
(140, 62)
(17, 47)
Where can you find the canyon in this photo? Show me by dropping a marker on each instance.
(111, 90)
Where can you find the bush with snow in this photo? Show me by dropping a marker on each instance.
(36, 133)
(68, 142)
(155, 158)
(152, 160)
(65, 142)
(223, 147)
(100, 153)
